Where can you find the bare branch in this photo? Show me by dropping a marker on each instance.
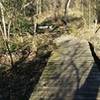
(1, 31)
(1, 6)
(3, 21)
(9, 26)
(27, 4)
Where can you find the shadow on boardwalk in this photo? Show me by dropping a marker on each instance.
(90, 89)
(19, 82)
(66, 72)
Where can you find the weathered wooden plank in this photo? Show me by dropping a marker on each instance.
(66, 71)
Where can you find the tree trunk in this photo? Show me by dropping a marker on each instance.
(10, 54)
(67, 4)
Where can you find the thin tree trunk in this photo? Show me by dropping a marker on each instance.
(9, 26)
(40, 6)
(35, 24)
(3, 21)
(10, 54)
(4, 33)
(67, 4)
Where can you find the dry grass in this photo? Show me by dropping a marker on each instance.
(21, 43)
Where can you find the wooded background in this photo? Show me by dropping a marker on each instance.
(24, 13)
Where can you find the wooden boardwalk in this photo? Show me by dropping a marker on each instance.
(70, 73)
